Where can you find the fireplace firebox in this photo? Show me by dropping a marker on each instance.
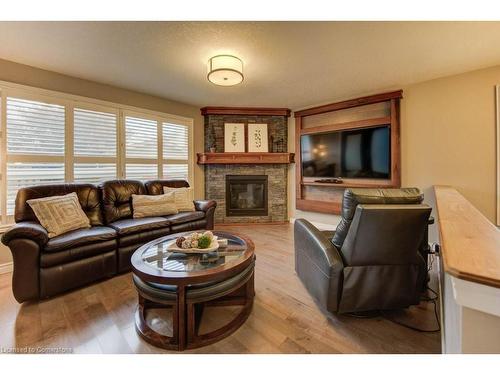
(246, 195)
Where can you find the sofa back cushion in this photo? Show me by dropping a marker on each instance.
(88, 196)
(353, 197)
(155, 187)
(117, 198)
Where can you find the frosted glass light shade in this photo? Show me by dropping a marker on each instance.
(225, 70)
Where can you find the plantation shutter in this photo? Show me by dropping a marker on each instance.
(141, 138)
(94, 146)
(35, 132)
(95, 133)
(34, 128)
(141, 148)
(175, 151)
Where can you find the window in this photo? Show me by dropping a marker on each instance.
(34, 128)
(175, 151)
(141, 148)
(48, 137)
(35, 145)
(141, 172)
(25, 174)
(95, 139)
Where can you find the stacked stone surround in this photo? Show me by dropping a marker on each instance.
(277, 130)
(215, 188)
(215, 174)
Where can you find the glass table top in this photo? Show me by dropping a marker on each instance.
(157, 256)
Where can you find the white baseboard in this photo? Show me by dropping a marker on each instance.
(6, 267)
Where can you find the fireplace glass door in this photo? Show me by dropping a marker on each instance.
(246, 195)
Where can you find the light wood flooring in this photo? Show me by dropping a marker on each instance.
(285, 319)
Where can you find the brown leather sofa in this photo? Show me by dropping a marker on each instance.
(44, 267)
(374, 260)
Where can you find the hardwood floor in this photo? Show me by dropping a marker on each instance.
(285, 319)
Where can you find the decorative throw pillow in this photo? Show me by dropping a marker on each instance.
(59, 214)
(183, 198)
(153, 205)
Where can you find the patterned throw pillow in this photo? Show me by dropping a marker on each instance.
(153, 205)
(59, 214)
(183, 198)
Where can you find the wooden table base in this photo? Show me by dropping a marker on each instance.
(187, 317)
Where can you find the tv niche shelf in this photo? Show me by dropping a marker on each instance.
(359, 113)
(245, 158)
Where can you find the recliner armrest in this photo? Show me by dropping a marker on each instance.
(317, 245)
(26, 230)
(204, 205)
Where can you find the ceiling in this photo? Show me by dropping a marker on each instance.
(286, 64)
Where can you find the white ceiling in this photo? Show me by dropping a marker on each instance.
(286, 64)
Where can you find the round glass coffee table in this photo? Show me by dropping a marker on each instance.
(186, 283)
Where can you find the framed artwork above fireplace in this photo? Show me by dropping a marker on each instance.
(234, 137)
(257, 138)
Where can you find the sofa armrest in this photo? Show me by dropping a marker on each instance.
(208, 207)
(204, 205)
(26, 230)
(317, 246)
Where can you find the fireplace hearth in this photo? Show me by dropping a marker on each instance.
(246, 195)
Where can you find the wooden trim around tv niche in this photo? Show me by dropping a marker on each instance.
(333, 202)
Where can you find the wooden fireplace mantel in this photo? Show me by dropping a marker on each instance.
(245, 158)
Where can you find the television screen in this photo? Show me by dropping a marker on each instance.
(357, 153)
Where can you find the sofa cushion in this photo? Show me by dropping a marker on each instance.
(131, 226)
(80, 237)
(153, 205)
(117, 198)
(353, 197)
(141, 238)
(59, 214)
(184, 201)
(88, 195)
(77, 253)
(184, 217)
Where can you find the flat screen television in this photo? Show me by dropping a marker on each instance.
(356, 153)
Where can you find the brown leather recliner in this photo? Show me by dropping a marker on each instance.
(44, 267)
(375, 258)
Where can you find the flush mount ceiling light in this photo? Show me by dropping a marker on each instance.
(225, 70)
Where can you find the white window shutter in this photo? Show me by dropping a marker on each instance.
(95, 133)
(141, 138)
(175, 141)
(34, 128)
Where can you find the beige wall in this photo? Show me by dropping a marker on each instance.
(447, 137)
(26, 75)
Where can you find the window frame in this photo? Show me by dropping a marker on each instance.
(70, 102)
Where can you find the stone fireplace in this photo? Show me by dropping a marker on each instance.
(246, 195)
(247, 192)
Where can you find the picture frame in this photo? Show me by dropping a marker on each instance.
(234, 137)
(257, 138)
